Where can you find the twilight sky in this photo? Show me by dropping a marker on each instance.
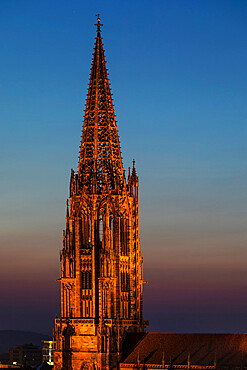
(179, 81)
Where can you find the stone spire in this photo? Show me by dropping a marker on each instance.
(101, 262)
(100, 156)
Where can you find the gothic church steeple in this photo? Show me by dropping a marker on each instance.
(101, 274)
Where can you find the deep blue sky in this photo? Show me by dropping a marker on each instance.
(178, 74)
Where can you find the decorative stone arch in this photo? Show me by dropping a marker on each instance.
(85, 207)
(124, 206)
(104, 201)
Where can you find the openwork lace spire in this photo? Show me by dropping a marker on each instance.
(100, 161)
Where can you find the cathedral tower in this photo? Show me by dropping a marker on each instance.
(101, 262)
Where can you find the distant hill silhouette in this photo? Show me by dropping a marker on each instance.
(10, 338)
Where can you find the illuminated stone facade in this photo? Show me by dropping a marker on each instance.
(101, 262)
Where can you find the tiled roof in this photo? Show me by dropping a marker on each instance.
(175, 349)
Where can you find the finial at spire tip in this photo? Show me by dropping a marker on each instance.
(98, 24)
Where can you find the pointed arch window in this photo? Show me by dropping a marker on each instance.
(101, 229)
(124, 236)
(86, 279)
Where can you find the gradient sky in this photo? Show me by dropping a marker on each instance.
(179, 81)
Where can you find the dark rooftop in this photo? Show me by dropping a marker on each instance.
(178, 349)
